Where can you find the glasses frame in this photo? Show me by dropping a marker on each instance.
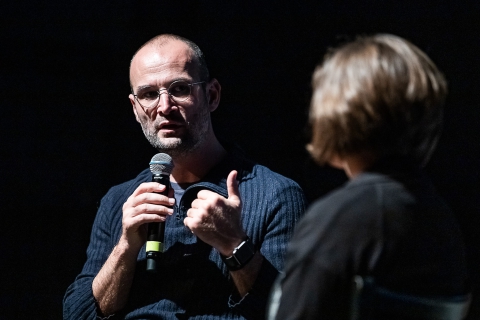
(167, 90)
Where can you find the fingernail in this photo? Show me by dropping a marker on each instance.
(171, 200)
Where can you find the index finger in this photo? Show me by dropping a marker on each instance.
(205, 194)
(149, 187)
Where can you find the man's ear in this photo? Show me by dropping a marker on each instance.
(132, 101)
(213, 91)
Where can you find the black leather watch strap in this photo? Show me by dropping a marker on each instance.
(241, 256)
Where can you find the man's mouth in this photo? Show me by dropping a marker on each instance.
(168, 126)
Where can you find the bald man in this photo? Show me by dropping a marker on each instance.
(227, 219)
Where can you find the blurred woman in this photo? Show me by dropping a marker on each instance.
(376, 113)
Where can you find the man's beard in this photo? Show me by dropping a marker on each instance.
(179, 147)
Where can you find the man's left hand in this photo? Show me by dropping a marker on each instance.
(217, 220)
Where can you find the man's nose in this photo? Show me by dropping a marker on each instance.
(164, 102)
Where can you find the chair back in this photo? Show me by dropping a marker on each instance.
(370, 301)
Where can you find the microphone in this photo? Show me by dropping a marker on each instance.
(161, 166)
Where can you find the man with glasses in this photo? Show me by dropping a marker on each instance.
(228, 220)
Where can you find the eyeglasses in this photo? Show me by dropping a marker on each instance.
(178, 91)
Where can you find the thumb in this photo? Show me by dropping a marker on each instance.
(232, 186)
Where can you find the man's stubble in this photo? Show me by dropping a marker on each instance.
(179, 147)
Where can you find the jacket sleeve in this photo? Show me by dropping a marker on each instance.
(79, 302)
(284, 203)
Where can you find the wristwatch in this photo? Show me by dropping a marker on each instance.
(241, 255)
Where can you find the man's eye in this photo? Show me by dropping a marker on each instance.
(179, 90)
(149, 95)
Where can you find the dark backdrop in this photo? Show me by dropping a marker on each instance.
(68, 132)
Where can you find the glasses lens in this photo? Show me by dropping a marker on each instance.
(179, 90)
(148, 99)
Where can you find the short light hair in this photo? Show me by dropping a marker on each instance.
(378, 94)
(199, 57)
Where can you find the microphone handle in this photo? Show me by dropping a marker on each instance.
(156, 230)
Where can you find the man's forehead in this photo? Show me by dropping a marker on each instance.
(173, 50)
(172, 54)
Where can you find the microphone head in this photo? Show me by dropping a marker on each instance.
(161, 163)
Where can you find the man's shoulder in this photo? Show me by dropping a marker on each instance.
(112, 202)
(264, 175)
(255, 173)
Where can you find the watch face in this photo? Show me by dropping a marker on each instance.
(241, 256)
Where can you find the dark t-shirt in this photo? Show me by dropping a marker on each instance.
(389, 224)
(179, 190)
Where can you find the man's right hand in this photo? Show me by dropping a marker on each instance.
(112, 284)
(145, 205)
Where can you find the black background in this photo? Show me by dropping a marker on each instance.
(68, 132)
